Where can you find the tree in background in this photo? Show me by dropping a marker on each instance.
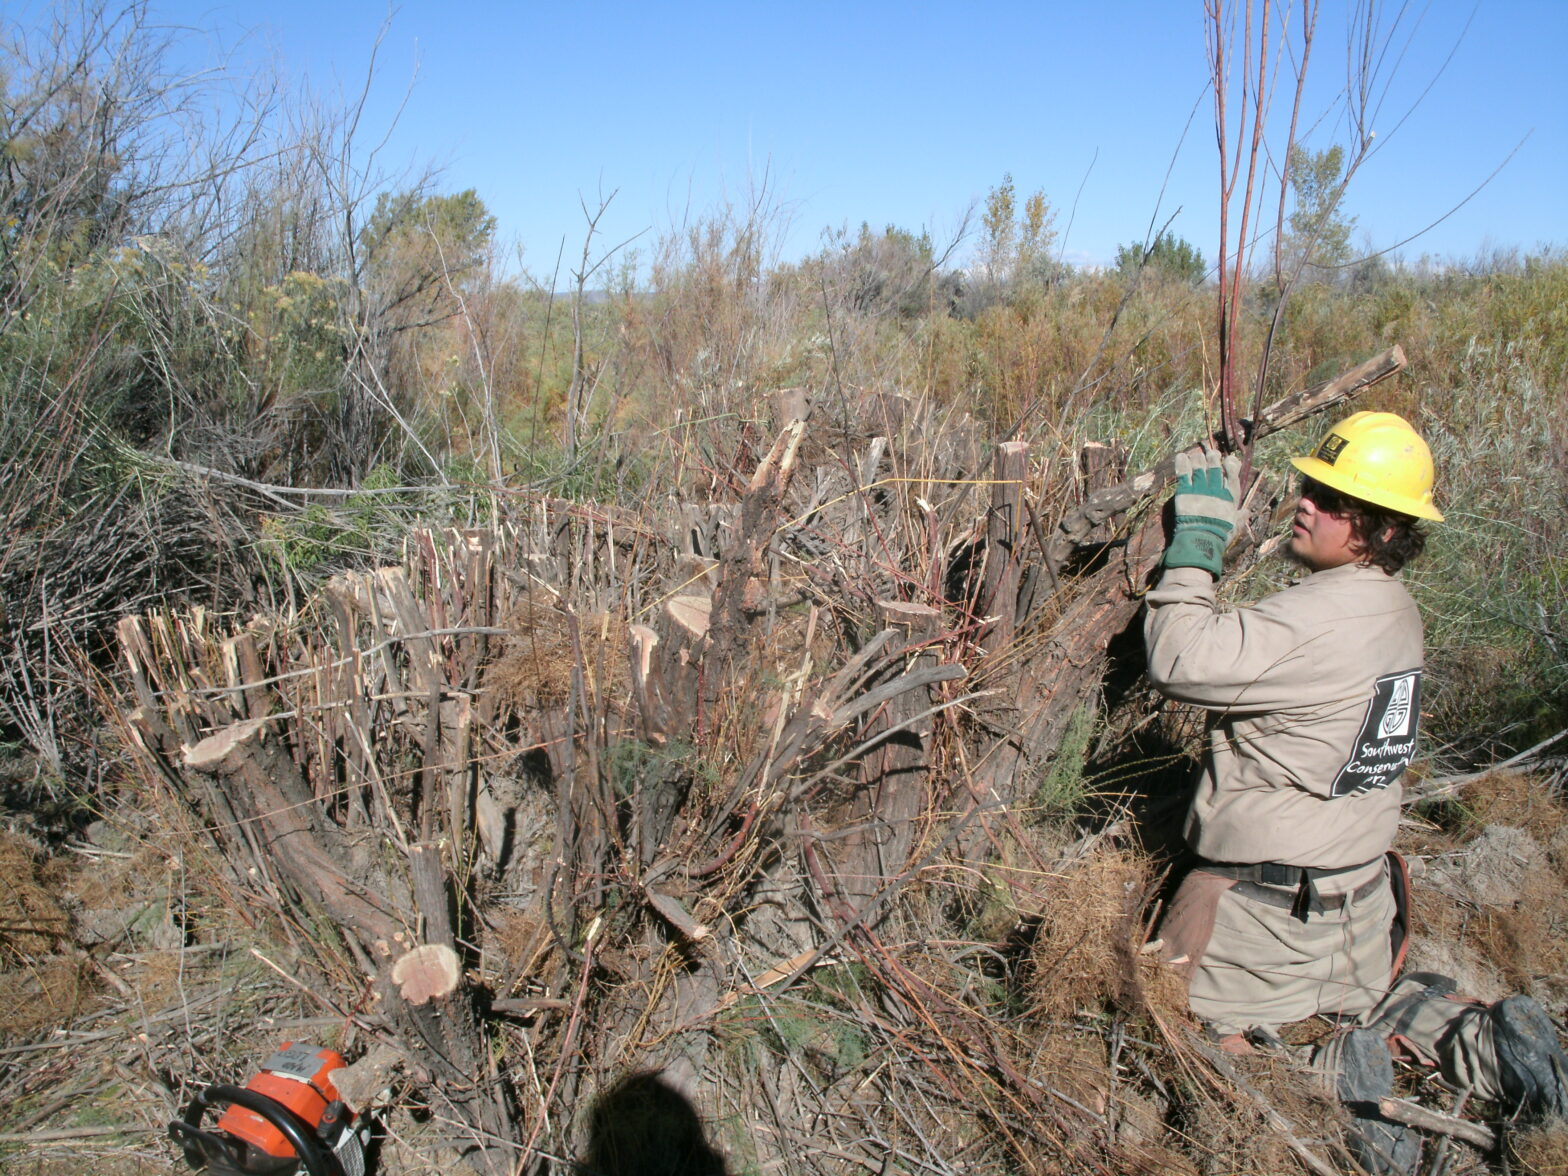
(1169, 255)
(998, 250)
(893, 271)
(1015, 252)
(417, 251)
(1036, 236)
(1016, 244)
(1318, 241)
(421, 261)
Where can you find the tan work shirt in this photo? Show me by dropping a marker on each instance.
(1314, 694)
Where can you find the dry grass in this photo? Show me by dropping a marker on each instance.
(45, 992)
(32, 921)
(1543, 1152)
(44, 980)
(1090, 929)
(536, 667)
(1517, 799)
(73, 1157)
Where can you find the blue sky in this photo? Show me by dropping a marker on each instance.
(907, 113)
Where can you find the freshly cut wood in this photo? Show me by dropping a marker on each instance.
(647, 684)
(295, 747)
(673, 911)
(213, 750)
(692, 613)
(263, 784)
(427, 973)
(920, 619)
(364, 1080)
(643, 641)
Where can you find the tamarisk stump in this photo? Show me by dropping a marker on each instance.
(427, 973)
(884, 815)
(1102, 464)
(1003, 538)
(263, 785)
(743, 565)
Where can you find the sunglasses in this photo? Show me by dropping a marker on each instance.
(1325, 499)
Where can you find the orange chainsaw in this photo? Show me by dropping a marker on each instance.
(286, 1121)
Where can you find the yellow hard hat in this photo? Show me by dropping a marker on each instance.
(1378, 458)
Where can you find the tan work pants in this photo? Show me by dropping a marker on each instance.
(1251, 965)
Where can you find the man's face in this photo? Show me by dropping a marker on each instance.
(1321, 535)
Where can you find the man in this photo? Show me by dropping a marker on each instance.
(1295, 906)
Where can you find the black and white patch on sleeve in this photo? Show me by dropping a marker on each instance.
(1387, 739)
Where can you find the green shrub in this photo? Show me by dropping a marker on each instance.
(1064, 787)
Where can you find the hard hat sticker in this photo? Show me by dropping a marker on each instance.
(1333, 445)
(1386, 741)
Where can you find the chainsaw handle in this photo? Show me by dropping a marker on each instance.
(316, 1159)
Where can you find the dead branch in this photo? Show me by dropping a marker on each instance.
(1404, 1111)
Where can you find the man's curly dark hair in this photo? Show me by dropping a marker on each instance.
(1386, 539)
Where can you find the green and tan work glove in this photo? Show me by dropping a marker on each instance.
(1208, 487)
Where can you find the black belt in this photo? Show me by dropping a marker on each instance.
(1299, 893)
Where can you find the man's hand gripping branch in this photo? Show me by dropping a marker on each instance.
(1208, 488)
